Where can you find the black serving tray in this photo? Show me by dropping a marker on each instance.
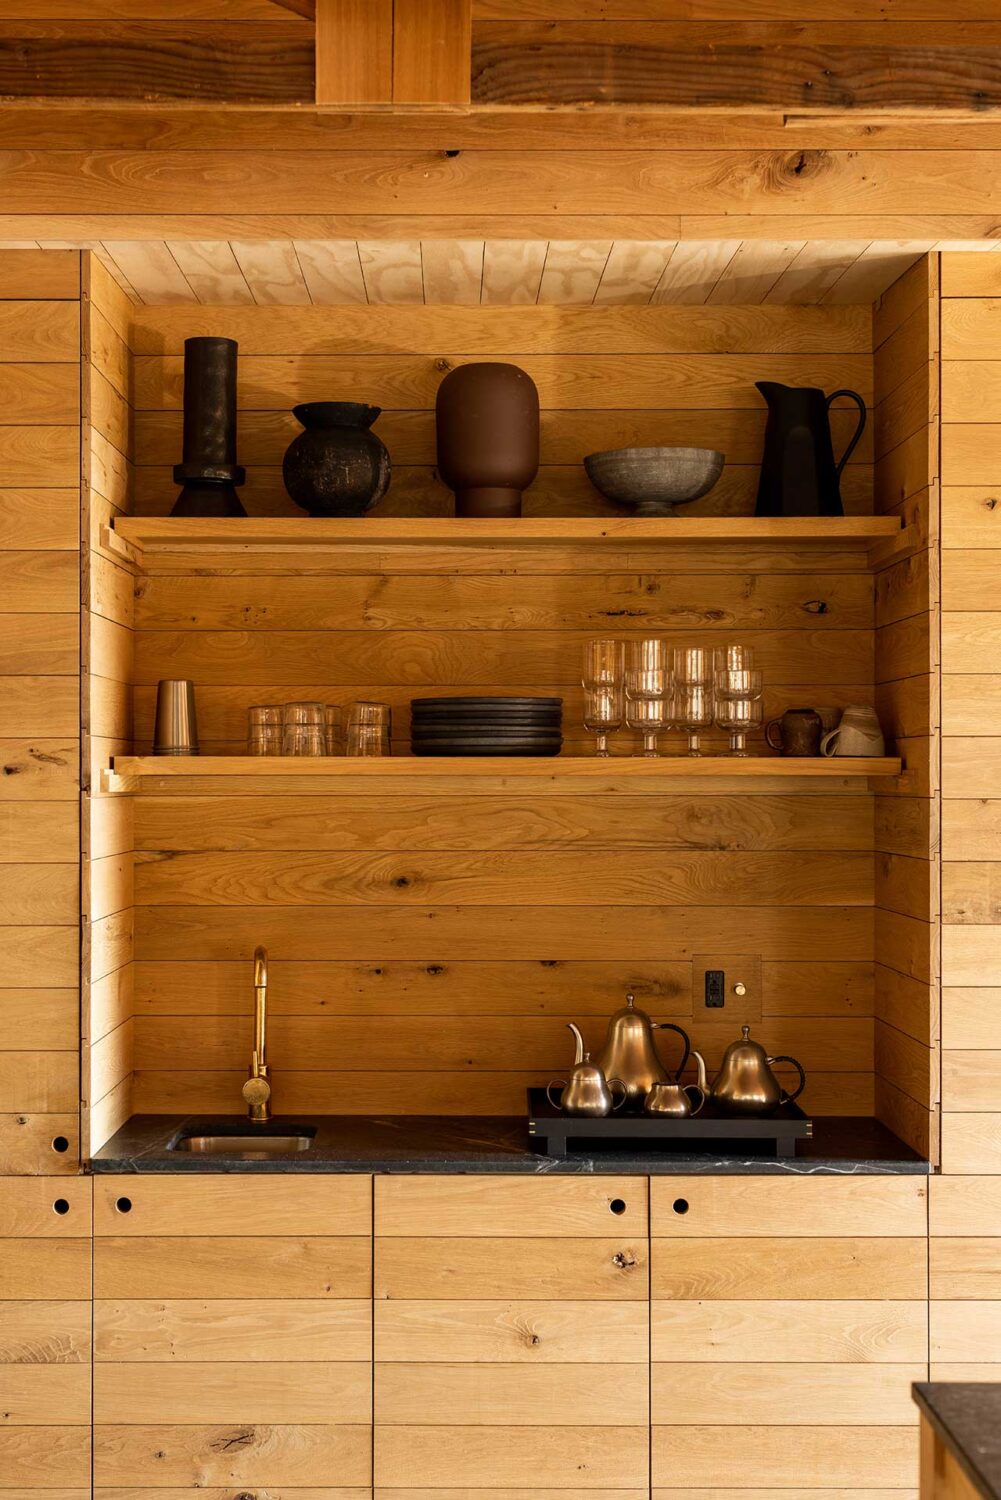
(555, 1134)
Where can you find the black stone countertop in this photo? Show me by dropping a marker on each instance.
(968, 1420)
(444, 1144)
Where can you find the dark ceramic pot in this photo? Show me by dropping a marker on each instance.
(337, 467)
(488, 437)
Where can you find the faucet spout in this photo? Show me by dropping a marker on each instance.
(257, 1089)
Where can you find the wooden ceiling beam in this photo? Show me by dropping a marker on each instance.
(798, 182)
(379, 52)
(52, 125)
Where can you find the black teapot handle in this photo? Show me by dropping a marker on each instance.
(788, 1098)
(853, 443)
(670, 1026)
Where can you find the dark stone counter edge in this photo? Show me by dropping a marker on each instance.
(967, 1417)
(841, 1146)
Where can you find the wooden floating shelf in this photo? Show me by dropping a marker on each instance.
(165, 534)
(406, 774)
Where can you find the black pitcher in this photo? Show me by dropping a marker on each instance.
(798, 474)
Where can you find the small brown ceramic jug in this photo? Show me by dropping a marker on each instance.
(798, 732)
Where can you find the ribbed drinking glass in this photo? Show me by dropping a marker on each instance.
(603, 713)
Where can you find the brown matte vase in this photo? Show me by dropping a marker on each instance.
(488, 437)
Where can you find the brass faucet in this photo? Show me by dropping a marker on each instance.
(257, 1089)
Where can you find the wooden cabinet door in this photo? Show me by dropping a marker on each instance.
(45, 1275)
(232, 1334)
(788, 1320)
(511, 1338)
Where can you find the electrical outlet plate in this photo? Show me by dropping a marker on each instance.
(739, 968)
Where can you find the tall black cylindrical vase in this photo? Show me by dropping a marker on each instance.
(209, 472)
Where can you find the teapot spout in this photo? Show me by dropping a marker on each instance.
(700, 1070)
(579, 1055)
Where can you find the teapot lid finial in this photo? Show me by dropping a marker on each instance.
(630, 1000)
(745, 1032)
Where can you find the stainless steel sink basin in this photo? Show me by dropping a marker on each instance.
(249, 1143)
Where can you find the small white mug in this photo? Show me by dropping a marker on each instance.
(859, 733)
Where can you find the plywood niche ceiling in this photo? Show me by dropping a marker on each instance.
(508, 272)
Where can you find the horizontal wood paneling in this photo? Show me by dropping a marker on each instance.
(40, 343)
(146, 59)
(744, 61)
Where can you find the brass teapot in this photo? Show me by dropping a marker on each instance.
(629, 1053)
(745, 1083)
(587, 1091)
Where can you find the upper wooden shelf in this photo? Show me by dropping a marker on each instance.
(150, 535)
(406, 774)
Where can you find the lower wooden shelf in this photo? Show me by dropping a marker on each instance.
(406, 774)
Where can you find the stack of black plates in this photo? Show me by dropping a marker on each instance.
(486, 726)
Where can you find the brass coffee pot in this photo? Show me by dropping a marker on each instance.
(629, 1052)
(675, 1099)
(587, 1091)
(745, 1083)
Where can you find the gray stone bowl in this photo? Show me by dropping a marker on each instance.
(652, 481)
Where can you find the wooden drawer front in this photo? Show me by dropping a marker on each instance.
(259, 1331)
(532, 1269)
(511, 1348)
(45, 1338)
(283, 1266)
(494, 1458)
(242, 1455)
(784, 1207)
(760, 1268)
(495, 1207)
(788, 1321)
(805, 1332)
(234, 1205)
(233, 1337)
(790, 1461)
(523, 1333)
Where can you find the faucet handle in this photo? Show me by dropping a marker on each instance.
(257, 1093)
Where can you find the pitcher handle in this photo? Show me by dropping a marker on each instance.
(853, 441)
(557, 1083)
(670, 1026)
(790, 1098)
(612, 1082)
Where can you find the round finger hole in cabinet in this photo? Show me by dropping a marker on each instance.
(124, 1205)
(61, 1206)
(60, 1143)
(680, 1205)
(617, 1206)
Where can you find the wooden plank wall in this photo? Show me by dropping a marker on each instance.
(428, 954)
(965, 1283)
(606, 376)
(39, 711)
(108, 835)
(760, 54)
(907, 811)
